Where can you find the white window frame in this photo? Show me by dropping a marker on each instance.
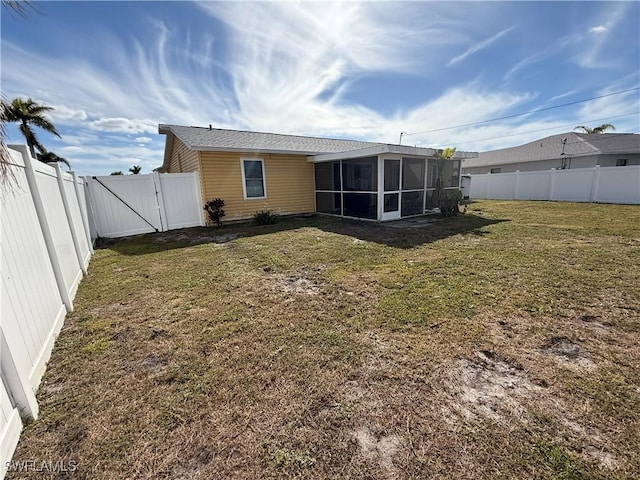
(244, 180)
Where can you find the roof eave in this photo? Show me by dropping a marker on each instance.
(382, 149)
(168, 146)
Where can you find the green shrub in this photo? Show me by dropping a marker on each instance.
(265, 217)
(215, 211)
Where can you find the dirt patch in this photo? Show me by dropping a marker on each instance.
(292, 284)
(219, 239)
(381, 449)
(109, 309)
(605, 460)
(489, 387)
(169, 237)
(164, 238)
(597, 324)
(381, 355)
(154, 363)
(566, 351)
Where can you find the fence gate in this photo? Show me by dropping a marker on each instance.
(124, 205)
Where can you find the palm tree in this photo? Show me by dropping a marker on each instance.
(135, 170)
(447, 200)
(5, 156)
(28, 113)
(50, 157)
(600, 129)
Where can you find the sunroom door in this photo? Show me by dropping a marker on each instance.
(391, 194)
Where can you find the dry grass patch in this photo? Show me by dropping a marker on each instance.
(500, 344)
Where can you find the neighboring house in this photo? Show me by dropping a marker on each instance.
(291, 174)
(567, 150)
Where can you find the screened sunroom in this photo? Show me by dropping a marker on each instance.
(382, 183)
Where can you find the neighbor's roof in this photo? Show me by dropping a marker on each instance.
(209, 139)
(576, 145)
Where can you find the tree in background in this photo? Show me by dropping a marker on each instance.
(135, 170)
(119, 172)
(5, 156)
(28, 114)
(447, 201)
(599, 129)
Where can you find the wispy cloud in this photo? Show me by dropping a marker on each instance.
(479, 46)
(556, 47)
(294, 77)
(590, 56)
(562, 95)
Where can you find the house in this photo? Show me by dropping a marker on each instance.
(290, 174)
(563, 151)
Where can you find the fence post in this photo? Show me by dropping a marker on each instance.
(17, 382)
(487, 195)
(44, 226)
(552, 181)
(199, 201)
(595, 181)
(92, 201)
(517, 189)
(164, 226)
(67, 211)
(83, 214)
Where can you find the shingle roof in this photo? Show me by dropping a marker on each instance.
(202, 138)
(577, 144)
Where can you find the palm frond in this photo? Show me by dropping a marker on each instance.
(603, 128)
(45, 124)
(50, 157)
(19, 7)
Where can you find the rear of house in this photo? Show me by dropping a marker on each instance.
(290, 174)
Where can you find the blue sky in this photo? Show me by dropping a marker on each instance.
(114, 70)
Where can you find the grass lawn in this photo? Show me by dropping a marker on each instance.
(500, 344)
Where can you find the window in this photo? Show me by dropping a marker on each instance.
(329, 202)
(450, 173)
(496, 170)
(360, 175)
(253, 183)
(412, 203)
(361, 205)
(621, 162)
(328, 176)
(412, 173)
(348, 187)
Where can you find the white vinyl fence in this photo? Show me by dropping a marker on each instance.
(125, 205)
(45, 248)
(602, 185)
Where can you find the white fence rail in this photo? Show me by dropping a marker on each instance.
(602, 185)
(125, 205)
(45, 248)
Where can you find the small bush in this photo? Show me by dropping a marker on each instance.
(448, 202)
(265, 217)
(215, 211)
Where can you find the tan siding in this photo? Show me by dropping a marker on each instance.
(182, 159)
(289, 179)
